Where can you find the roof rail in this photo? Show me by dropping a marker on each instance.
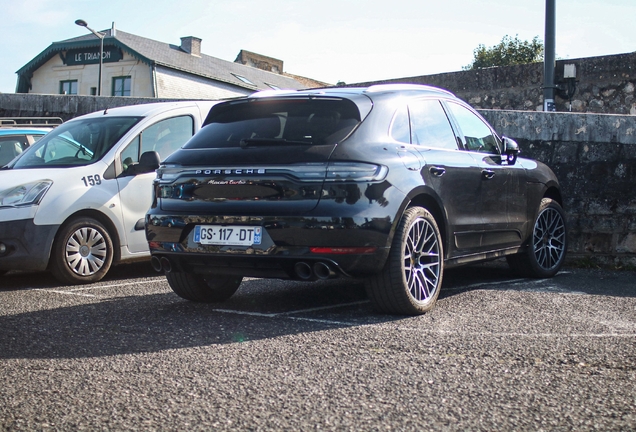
(30, 121)
(405, 86)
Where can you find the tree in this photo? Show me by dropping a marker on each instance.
(508, 52)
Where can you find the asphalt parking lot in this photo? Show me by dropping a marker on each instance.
(497, 353)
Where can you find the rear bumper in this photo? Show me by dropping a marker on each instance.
(286, 250)
(28, 246)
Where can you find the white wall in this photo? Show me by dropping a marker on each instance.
(181, 85)
(46, 80)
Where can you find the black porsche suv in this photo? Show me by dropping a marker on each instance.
(390, 183)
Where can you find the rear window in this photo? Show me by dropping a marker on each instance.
(274, 122)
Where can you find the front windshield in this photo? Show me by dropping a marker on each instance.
(76, 143)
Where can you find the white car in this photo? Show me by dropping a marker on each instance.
(75, 201)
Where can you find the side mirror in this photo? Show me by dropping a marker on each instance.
(148, 162)
(511, 150)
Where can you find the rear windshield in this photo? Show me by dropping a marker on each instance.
(274, 122)
(76, 143)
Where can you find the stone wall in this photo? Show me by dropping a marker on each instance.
(594, 156)
(603, 85)
(64, 106)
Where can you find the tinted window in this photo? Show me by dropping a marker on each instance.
(277, 122)
(430, 126)
(477, 135)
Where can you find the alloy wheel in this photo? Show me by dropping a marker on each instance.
(422, 260)
(549, 238)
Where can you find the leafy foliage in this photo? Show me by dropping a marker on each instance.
(508, 52)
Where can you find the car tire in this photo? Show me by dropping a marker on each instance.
(411, 279)
(211, 289)
(547, 245)
(82, 252)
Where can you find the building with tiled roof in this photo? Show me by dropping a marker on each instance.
(140, 67)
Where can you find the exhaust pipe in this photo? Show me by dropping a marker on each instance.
(303, 270)
(166, 266)
(155, 263)
(323, 271)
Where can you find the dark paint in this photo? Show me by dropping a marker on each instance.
(484, 206)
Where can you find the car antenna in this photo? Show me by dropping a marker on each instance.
(106, 111)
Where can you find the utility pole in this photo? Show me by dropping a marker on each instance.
(549, 61)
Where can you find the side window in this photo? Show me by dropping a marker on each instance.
(68, 87)
(121, 86)
(430, 125)
(163, 137)
(9, 148)
(400, 128)
(478, 136)
(130, 154)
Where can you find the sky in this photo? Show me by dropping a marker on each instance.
(327, 40)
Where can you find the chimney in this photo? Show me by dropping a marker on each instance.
(191, 45)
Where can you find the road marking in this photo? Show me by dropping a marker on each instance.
(324, 307)
(236, 312)
(111, 286)
(323, 321)
(299, 311)
(76, 291)
(525, 285)
(65, 292)
(525, 335)
(480, 284)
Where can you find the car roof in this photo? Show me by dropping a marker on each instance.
(145, 110)
(378, 89)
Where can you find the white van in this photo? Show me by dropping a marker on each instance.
(75, 201)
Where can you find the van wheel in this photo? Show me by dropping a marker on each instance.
(547, 246)
(210, 289)
(82, 252)
(411, 280)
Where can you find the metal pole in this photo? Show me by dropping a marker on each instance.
(549, 61)
(101, 36)
(101, 56)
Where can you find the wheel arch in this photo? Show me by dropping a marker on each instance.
(104, 220)
(554, 193)
(426, 199)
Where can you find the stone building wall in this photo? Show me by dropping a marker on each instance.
(594, 157)
(603, 85)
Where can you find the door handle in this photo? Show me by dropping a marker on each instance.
(487, 174)
(437, 171)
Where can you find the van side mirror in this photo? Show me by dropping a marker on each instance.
(511, 150)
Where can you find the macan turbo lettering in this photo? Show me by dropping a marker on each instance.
(389, 184)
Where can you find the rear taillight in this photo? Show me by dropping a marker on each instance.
(355, 171)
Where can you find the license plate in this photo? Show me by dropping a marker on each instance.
(231, 235)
